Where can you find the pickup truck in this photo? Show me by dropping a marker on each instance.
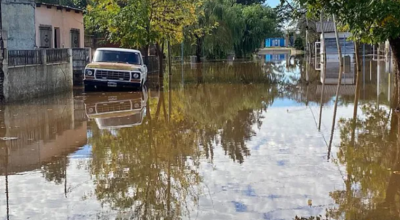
(115, 68)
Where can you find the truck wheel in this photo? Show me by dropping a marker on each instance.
(89, 88)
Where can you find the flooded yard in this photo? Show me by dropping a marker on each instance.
(226, 140)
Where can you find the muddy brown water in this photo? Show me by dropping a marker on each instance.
(226, 140)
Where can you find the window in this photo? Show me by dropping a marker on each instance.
(45, 36)
(75, 36)
(117, 57)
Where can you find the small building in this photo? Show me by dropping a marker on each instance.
(275, 42)
(58, 26)
(347, 46)
(30, 24)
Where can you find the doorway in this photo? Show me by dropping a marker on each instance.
(57, 37)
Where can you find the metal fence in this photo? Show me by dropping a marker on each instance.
(24, 57)
(80, 57)
(57, 55)
(152, 63)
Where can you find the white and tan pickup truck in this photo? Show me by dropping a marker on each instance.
(115, 68)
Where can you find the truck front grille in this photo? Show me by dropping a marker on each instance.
(113, 107)
(112, 75)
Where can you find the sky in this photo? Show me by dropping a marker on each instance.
(273, 3)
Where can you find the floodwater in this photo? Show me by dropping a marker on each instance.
(227, 140)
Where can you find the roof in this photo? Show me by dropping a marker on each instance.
(118, 49)
(67, 8)
(329, 27)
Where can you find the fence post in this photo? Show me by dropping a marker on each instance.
(3, 63)
(70, 56)
(44, 56)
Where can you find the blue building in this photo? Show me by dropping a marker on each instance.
(275, 57)
(274, 42)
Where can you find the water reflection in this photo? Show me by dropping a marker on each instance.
(214, 141)
(47, 130)
(116, 110)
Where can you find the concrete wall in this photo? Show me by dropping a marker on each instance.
(18, 17)
(26, 82)
(60, 18)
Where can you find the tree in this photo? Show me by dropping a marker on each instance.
(225, 27)
(205, 23)
(141, 23)
(298, 43)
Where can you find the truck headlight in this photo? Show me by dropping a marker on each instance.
(135, 75)
(89, 72)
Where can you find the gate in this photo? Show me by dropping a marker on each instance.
(80, 58)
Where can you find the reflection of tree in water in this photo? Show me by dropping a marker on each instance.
(224, 115)
(372, 159)
(55, 170)
(151, 170)
(236, 132)
(370, 151)
(147, 171)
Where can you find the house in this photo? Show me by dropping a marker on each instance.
(347, 46)
(275, 42)
(30, 24)
(58, 26)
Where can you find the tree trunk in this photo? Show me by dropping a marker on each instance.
(169, 58)
(395, 44)
(160, 54)
(199, 48)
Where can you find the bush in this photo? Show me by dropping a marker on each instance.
(298, 44)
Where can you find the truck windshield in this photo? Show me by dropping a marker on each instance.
(117, 57)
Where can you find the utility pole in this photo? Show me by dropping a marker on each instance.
(2, 53)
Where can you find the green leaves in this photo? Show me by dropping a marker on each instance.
(138, 23)
(369, 21)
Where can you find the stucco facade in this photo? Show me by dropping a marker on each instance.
(18, 18)
(60, 21)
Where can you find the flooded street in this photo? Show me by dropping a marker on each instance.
(227, 140)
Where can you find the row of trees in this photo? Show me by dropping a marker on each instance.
(212, 28)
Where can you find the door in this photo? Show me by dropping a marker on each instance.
(45, 36)
(57, 43)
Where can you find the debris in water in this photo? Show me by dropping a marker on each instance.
(8, 138)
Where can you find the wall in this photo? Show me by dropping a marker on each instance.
(65, 20)
(18, 17)
(26, 82)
